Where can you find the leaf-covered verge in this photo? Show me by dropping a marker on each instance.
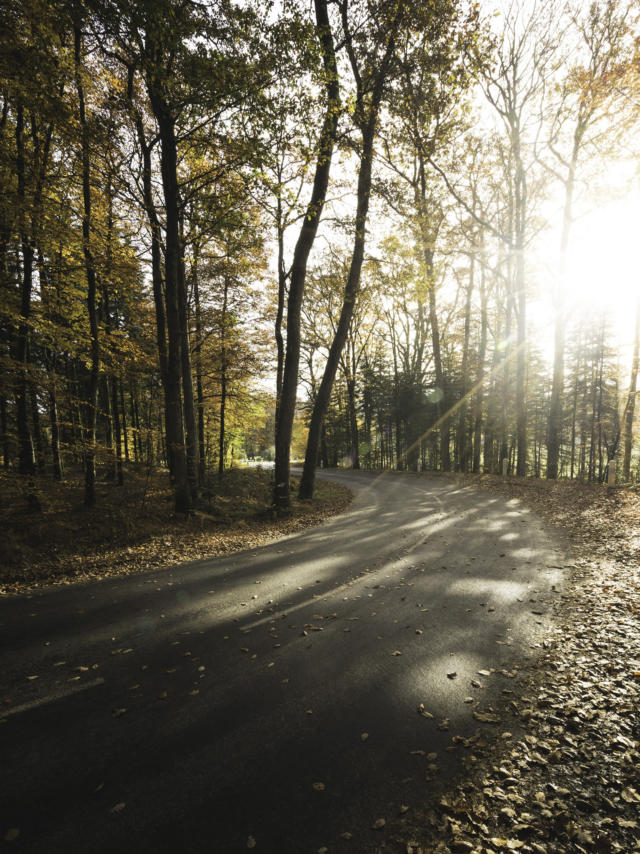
(133, 528)
(560, 770)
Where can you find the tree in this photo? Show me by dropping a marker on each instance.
(306, 238)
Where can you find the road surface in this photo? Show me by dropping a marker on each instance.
(270, 699)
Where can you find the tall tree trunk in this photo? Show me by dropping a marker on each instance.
(350, 295)
(116, 429)
(554, 433)
(198, 361)
(308, 230)
(25, 442)
(191, 430)
(351, 397)
(461, 433)
(156, 255)
(91, 402)
(282, 288)
(223, 376)
(428, 249)
(176, 448)
(520, 216)
(482, 350)
(123, 413)
(630, 406)
(54, 424)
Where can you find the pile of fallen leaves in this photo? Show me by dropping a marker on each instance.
(569, 780)
(133, 528)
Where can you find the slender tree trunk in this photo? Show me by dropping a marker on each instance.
(282, 287)
(350, 295)
(462, 414)
(156, 258)
(176, 448)
(351, 397)
(54, 424)
(284, 424)
(428, 241)
(37, 432)
(123, 413)
(198, 361)
(223, 376)
(629, 409)
(25, 443)
(91, 403)
(116, 428)
(482, 350)
(191, 430)
(521, 303)
(554, 434)
(4, 429)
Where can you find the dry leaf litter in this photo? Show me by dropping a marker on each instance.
(568, 778)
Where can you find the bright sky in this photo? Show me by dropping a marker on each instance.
(603, 272)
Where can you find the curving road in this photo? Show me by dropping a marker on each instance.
(194, 708)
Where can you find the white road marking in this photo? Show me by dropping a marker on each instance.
(51, 698)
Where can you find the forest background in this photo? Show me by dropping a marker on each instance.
(370, 234)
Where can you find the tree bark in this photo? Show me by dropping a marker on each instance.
(284, 424)
(350, 295)
(191, 430)
(26, 460)
(554, 433)
(176, 449)
(91, 402)
(223, 376)
(482, 350)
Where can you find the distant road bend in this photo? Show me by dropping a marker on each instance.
(270, 699)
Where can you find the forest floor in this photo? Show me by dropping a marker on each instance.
(560, 770)
(133, 528)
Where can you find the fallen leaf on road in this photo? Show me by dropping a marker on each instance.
(422, 711)
(319, 787)
(118, 807)
(346, 835)
(364, 736)
(11, 834)
(162, 695)
(452, 675)
(396, 652)
(486, 717)
(378, 824)
(251, 843)
(403, 809)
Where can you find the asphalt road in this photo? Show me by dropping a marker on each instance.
(194, 708)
